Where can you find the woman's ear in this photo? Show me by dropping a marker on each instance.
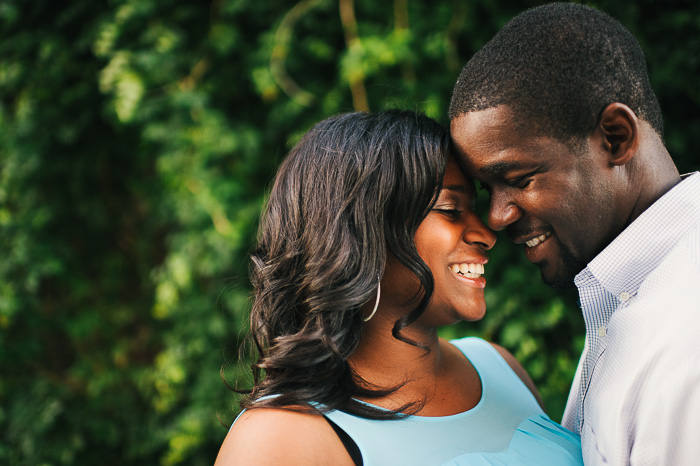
(619, 127)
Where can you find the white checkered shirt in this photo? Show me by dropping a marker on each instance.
(635, 399)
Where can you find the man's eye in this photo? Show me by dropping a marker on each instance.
(520, 182)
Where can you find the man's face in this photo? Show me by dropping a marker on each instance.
(558, 203)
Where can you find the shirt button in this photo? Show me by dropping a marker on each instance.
(602, 331)
(624, 296)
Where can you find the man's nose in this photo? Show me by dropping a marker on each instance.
(502, 211)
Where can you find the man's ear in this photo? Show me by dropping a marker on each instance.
(620, 128)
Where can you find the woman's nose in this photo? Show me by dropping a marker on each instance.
(478, 233)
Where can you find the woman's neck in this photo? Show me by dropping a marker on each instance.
(436, 375)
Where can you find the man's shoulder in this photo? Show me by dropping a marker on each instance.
(665, 313)
(689, 246)
(680, 269)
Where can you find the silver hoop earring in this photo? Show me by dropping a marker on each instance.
(376, 303)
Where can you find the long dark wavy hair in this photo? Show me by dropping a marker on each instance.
(355, 188)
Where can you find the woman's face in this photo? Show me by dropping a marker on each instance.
(452, 240)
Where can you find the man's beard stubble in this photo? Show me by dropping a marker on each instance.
(570, 267)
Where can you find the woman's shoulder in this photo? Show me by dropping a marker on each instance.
(520, 371)
(267, 436)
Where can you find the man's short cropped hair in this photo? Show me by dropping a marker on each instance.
(558, 66)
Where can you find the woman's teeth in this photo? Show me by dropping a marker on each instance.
(468, 270)
(534, 242)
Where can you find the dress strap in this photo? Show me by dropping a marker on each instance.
(349, 444)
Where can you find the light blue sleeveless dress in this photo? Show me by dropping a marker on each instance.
(506, 427)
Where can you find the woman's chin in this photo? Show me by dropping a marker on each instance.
(475, 312)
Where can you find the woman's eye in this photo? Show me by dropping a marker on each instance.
(449, 212)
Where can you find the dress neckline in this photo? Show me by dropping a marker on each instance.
(460, 415)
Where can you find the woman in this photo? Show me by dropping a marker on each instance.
(369, 243)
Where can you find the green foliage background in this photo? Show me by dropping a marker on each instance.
(137, 140)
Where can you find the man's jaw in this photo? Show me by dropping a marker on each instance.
(557, 263)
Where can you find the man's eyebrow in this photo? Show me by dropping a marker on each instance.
(498, 168)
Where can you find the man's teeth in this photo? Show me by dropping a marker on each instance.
(468, 270)
(538, 240)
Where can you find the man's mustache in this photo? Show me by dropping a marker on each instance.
(518, 231)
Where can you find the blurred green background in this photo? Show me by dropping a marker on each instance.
(137, 140)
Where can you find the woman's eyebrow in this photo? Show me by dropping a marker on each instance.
(456, 187)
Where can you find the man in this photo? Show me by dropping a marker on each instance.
(556, 117)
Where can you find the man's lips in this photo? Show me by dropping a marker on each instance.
(537, 248)
(535, 241)
(530, 237)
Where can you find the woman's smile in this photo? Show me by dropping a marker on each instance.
(470, 273)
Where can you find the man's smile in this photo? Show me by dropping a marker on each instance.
(535, 241)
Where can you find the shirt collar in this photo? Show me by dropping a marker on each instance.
(624, 264)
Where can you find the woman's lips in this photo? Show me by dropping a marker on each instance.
(471, 273)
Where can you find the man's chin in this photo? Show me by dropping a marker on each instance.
(558, 283)
(561, 277)
(560, 272)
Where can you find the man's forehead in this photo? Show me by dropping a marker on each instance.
(500, 115)
(489, 144)
(472, 130)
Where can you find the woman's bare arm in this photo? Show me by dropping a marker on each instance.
(280, 437)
